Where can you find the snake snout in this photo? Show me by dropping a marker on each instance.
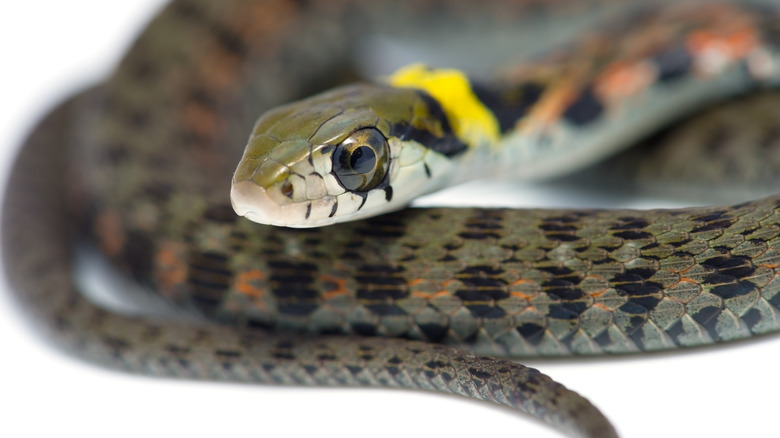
(252, 201)
(259, 205)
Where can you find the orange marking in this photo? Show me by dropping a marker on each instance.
(441, 293)
(521, 295)
(415, 282)
(340, 286)
(603, 307)
(199, 119)
(448, 282)
(548, 111)
(685, 270)
(171, 270)
(522, 281)
(623, 79)
(243, 283)
(423, 295)
(108, 227)
(734, 45)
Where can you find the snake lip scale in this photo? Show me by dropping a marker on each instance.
(112, 347)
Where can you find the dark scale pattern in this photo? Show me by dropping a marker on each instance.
(481, 291)
(641, 292)
(531, 333)
(383, 227)
(511, 103)
(775, 301)
(560, 228)
(434, 332)
(573, 301)
(563, 274)
(379, 287)
(630, 228)
(752, 317)
(717, 220)
(485, 224)
(209, 276)
(585, 109)
(139, 254)
(673, 63)
(293, 285)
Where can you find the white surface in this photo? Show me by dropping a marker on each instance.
(50, 48)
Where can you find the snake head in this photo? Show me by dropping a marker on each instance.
(349, 153)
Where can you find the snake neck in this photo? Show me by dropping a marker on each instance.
(576, 105)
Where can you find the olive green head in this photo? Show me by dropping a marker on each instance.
(334, 156)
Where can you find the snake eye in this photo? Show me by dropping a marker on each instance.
(360, 162)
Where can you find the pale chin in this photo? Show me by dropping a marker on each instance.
(252, 202)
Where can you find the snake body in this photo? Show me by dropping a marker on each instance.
(148, 151)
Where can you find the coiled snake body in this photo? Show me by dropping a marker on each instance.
(159, 138)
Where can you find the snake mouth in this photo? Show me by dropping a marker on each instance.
(254, 203)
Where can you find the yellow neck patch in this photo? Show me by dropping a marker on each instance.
(470, 119)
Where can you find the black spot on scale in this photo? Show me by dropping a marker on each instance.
(333, 210)
(673, 63)
(481, 290)
(532, 333)
(676, 331)
(585, 109)
(752, 317)
(729, 267)
(202, 97)
(434, 332)
(427, 170)
(209, 276)
(363, 329)
(308, 210)
(139, 253)
(292, 284)
(508, 106)
(479, 374)
(389, 193)
(603, 339)
(229, 40)
(730, 288)
(707, 317)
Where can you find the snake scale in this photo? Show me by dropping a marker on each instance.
(158, 211)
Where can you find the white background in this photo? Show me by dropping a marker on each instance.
(50, 48)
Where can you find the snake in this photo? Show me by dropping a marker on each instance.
(428, 298)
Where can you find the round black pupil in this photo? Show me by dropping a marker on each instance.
(362, 159)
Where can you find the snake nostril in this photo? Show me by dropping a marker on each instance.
(287, 189)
